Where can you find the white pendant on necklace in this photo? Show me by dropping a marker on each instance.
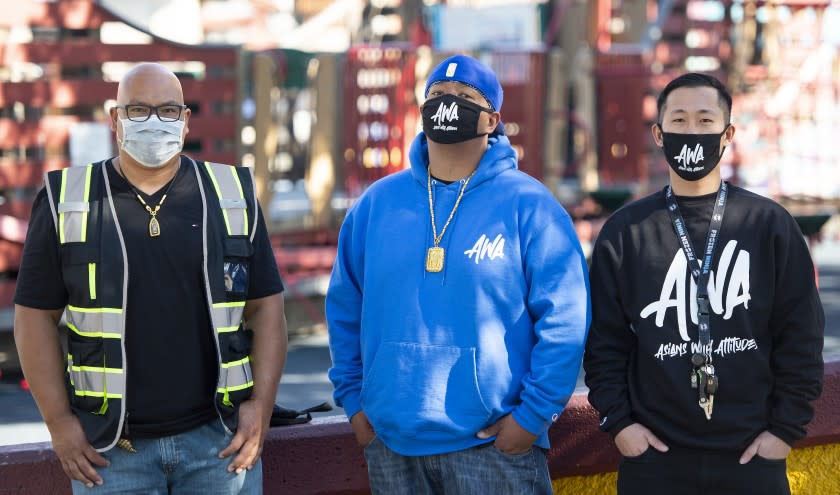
(434, 259)
(154, 227)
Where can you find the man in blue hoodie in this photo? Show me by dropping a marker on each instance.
(458, 306)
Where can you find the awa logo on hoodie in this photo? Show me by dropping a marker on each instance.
(737, 293)
(484, 248)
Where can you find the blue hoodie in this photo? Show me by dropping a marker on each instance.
(432, 358)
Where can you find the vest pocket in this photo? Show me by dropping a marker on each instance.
(78, 265)
(87, 372)
(237, 257)
(236, 369)
(236, 382)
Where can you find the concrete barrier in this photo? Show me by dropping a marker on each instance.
(322, 458)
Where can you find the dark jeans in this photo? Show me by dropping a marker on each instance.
(700, 473)
(481, 470)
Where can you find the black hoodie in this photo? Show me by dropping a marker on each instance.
(766, 323)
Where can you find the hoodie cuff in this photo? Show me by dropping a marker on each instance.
(615, 428)
(784, 434)
(351, 404)
(530, 420)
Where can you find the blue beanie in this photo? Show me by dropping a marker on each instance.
(469, 71)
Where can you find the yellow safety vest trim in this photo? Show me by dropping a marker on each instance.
(234, 388)
(234, 304)
(101, 335)
(86, 198)
(89, 393)
(240, 362)
(94, 310)
(241, 196)
(61, 195)
(92, 280)
(97, 369)
(219, 195)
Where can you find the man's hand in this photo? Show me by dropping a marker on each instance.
(265, 316)
(510, 437)
(362, 429)
(768, 446)
(635, 439)
(77, 456)
(249, 437)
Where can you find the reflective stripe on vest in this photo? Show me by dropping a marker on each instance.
(73, 205)
(94, 381)
(231, 198)
(233, 375)
(105, 323)
(237, 374)
(227, 316)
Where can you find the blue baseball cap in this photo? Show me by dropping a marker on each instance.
(467, 70)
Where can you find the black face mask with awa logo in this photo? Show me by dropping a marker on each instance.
(692, 156)
(449, 119)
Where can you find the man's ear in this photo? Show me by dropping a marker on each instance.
(657, 134)
(728, 136)
(493, 121)
(113, 113)
(187, 113)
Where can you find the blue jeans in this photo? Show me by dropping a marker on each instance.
(481, 470)
(187, 463)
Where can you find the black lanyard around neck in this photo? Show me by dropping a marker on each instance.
(701, 274)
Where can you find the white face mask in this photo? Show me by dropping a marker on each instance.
(153, 142)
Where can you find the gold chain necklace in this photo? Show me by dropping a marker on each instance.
(435, 254)
(154, 225)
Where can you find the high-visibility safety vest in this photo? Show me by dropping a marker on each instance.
(95, 269)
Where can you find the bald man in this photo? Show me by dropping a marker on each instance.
(162, 269)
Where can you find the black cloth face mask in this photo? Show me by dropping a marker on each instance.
(692, 156)
(449, 119)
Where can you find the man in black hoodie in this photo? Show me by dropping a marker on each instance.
(705, 348)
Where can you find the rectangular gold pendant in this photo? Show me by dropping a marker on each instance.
(154, 227)
(434, 259)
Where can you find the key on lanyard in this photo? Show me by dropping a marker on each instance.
(706, 401)
(698, 361)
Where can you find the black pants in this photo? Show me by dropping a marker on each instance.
(700, 473)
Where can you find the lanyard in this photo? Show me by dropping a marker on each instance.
(701, 274)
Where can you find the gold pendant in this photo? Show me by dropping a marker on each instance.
(154, 227)
(434, 259)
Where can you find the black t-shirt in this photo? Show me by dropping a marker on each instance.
(696, 212)
(766, 323)
(170, 350)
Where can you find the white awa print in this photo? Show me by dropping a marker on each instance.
(687, 155)
(675, 283)
(728, 345)
(445, 114)
(484, 248)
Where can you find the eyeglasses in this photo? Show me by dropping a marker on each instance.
(141, 113)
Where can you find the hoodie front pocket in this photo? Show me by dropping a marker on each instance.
(413, 388)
